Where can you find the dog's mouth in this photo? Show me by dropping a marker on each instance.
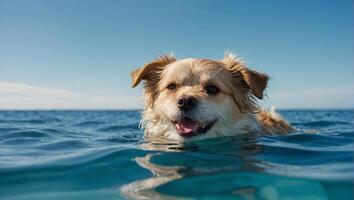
(187, 127)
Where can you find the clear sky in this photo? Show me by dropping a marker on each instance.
(79, 54)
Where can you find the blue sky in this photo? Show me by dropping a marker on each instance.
(79, 54)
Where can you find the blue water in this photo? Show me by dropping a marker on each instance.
(102, 155)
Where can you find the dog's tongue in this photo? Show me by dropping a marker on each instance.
(186, 126)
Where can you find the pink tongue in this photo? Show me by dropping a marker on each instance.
(186, 126)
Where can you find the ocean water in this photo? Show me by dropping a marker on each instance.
(102, 155)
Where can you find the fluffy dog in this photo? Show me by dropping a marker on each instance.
(194, 99)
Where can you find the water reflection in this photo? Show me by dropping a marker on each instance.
(169, 162)
(224, 168)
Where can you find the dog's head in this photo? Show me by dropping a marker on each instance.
(194, 99)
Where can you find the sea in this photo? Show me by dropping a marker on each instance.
(102, 154)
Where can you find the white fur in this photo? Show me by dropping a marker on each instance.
(157, 124)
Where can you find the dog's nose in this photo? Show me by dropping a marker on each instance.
(187, 103)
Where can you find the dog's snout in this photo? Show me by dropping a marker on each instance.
(187, 103)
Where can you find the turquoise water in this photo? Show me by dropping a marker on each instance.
(102, 155)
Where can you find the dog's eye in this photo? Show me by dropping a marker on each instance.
(211, 89)
(171, 86)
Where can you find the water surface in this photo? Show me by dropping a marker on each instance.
(102, 155)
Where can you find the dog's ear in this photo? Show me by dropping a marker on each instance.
(252, 80)
(150, 72)
(256, 81)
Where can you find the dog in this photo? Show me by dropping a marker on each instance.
(193, 99)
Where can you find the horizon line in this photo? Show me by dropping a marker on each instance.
(141, 109)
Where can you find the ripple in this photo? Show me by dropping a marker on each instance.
(310, 140)
(21, 142)
(64, 145)
(52, 131)
(31, 121)
(88, 124)
(26, 134)
(322, 123)
(8, 129)
(119, 127)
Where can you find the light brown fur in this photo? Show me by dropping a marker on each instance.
(272, 123)
(234, 108)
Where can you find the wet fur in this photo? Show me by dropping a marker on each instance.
(235, 108)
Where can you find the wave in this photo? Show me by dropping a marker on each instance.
(112, 128)
(88, 123)
(321, 123)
